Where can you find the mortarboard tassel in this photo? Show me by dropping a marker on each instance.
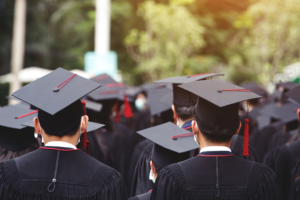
(127, 109)
(246, 134)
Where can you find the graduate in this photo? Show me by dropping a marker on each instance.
(15, 139)
(164, 151)
(183, 105)
(283, 160)
(59, 170)
(111, 144)
(216, 173)
(140, 168)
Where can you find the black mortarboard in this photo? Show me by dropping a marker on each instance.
(218, 103)
(287, 86)
(154, 103)
(263, 121)
(276, 96)
(14, 136)
(132, 93)
(287, 112)
(166, 149)
(56, 96)
(294, 95)
(103, 79)
(108, 91)
(94, 106)
(254, 87)
(182, 97)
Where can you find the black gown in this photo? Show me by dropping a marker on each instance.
(79, 176)
(140, 181)
(281, 160)
(200, 178)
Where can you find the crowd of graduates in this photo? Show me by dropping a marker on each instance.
(187, 137)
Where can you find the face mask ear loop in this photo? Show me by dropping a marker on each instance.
(80, 131)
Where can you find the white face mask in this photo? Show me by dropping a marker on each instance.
(178, 124)
(139, 104)
(195, 138)
(151, 176)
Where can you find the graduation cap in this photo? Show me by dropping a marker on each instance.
(218, 104)
(154, 103)
(287, 86)
(103, 79)
(254, 87)
(182, 97)
(94, 106)
(13, 135)
(294, 95)
(57, 98)
(287, 112)
(169, 145)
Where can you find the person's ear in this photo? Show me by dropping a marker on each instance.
(152, 168)
(175, 116)
(238, 130)
(37, 125)
(194, 127)
(85, 120)
(298, 114)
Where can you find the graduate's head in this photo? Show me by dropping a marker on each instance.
(169, 146)
(182, 112)
(57, 99)
(216, 112)
(70, 122)
(183, 100)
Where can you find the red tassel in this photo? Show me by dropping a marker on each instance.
(127, 109)
(246, 134)
(246, 138)
(88, 148)
(117, 110)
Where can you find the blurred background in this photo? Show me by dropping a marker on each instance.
(138, 41)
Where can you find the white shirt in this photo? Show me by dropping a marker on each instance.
(215, 148)
(60, 144)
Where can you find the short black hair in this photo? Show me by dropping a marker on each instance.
(184, 113)
(72, 131)
(216, 134)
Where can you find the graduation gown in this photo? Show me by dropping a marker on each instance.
(216, 175)
(260, 139)
(281, 161)
(141, 183)
(145, 196)
(79, 176)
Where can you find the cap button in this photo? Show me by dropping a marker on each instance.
(55, 89)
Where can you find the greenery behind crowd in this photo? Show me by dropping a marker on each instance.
(248, 40)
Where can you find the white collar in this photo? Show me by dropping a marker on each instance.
(215, 148)
(60, 144)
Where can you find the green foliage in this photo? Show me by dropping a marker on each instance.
(171, 37)
(268, 38)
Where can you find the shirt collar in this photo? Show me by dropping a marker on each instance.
(60, 144)
(215, 148)
(187, 124)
